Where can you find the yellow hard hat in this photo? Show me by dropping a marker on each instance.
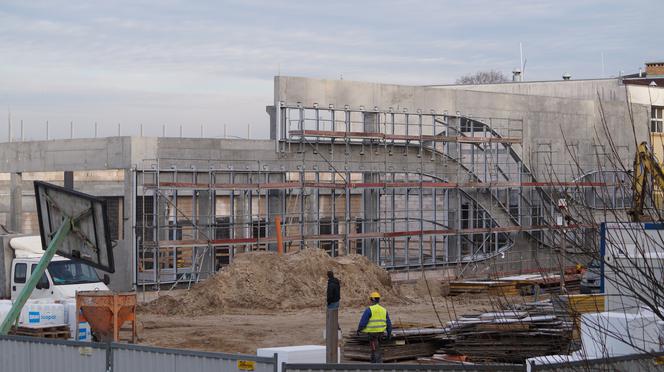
(374, 295)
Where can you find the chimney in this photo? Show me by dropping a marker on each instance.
(654, 68)
(516, 74)
(567, 76)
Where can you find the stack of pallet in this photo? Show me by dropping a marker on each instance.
(509, 336)
(483, 287)
(61, 331)
(406, 344)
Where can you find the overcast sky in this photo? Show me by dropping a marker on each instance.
(210, 63)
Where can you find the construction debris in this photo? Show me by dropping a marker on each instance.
(509, 336)
(267, 281)
(406, 344)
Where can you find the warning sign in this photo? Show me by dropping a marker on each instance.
(246, 365)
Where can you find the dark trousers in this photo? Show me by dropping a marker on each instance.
(375, 340)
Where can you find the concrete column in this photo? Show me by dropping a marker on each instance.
(162, 217)
(272, 112)
(69, 180)
(311, 215)
(371, 216)
(276, 205)
(371, 122)
(125, 254)
(371, 196)
(205, 224)
(15, 202)
(242, 214)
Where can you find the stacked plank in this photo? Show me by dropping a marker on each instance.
(483, 287)
(581, 303)
(550, 282)
(571, 307)
(406, 344)
(509, 336)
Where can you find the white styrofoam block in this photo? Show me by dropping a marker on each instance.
(611, 334)
(3, 313)
(295, 354)
(70, 317)
(39, 313)
(84, 332)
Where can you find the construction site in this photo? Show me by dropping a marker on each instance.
(474, 210)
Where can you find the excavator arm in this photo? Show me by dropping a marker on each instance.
(645, 164)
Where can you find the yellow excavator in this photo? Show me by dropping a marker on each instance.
(645, 165)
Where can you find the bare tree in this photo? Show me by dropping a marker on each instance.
(483, 77)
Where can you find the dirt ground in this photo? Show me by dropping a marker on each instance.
(266, 300)
(244, 332)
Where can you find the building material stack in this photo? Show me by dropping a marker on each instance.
(571, 307)
(406, 344)
(529, 284)
(509, 336)
(483, 287)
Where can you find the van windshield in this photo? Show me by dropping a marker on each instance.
(72, 272)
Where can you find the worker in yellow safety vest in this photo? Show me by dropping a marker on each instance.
(376, 324)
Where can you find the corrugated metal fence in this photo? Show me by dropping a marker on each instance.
(397, 368)
(27, 354)
(638, 362)
(31, 355)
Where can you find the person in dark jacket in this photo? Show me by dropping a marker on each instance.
(333, 291)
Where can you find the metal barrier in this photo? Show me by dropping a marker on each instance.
(398, 367)
(636, 362)
(29, 354)
(131, 358)
(32, 354)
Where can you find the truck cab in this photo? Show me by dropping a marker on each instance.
(61, 280)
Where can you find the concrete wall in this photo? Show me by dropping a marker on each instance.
(548, 120)
(606, 89)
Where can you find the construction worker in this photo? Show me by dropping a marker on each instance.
(375, 322)
(333, 291)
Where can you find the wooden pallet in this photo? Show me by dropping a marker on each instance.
(61, 332)
(492, 288)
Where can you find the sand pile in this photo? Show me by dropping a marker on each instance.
(264, 280)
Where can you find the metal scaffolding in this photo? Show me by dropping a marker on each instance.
(478, 199)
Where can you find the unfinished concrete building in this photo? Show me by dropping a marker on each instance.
(458, 178)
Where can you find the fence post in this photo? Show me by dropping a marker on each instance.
(332, 336)
(276, 362)
(109, 357)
